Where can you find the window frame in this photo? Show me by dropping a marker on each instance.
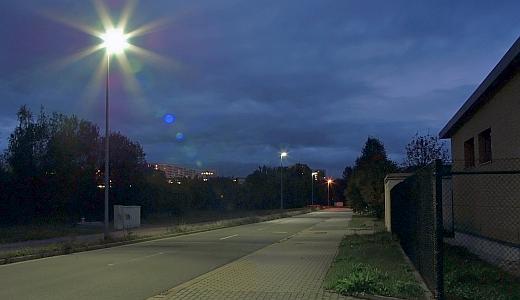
(485, 151)
(469, 153)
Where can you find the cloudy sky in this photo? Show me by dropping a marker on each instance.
(245, 79)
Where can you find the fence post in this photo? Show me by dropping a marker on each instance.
(439, 232)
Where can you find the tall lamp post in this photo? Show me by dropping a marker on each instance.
(329, 181)
(282, 155)
(313, 176)
(114, 41)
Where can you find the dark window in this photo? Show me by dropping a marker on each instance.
(484, 146)
(469, 153)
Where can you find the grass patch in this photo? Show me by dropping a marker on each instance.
(21, 233)
(468, 277)
(374, 265)
(366, 222)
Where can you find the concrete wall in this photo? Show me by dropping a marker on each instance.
(391, 180)
(126, 217)
(489, 205)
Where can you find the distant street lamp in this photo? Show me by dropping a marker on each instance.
(115, 42)
(282, 155)
(329, 182)
(313, 176)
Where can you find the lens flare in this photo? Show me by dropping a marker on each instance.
(169, 118)
(179, 137)
(116, 39)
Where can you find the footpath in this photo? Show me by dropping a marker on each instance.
(291, 269)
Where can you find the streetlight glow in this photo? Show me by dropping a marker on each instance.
(114, 40)
(329, 182)
(282, 155)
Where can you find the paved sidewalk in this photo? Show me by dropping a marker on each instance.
(291, 269)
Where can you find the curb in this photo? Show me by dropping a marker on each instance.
(376, 297)
(16, 259)
(427, 293)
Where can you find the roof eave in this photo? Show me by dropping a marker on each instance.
(476, 99)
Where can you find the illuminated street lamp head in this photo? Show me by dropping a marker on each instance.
(114, 40)
(283, 154)
(329, 181)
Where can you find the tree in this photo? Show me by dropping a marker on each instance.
(23, 158)
(422, 150)
(365, 187)
(347, 172)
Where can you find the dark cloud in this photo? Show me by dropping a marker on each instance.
(249, 78)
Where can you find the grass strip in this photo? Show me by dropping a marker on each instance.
(372, 264)
(468, 277)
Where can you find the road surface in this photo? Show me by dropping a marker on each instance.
(142, 270)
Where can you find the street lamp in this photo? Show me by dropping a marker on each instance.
(313, 176)
(115, 42)
(282, 155)
(329, 182)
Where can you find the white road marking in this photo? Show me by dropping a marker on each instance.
(228, 237)
(280, 232)
(135, 259)
(260, 229)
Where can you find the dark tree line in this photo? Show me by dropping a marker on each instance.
(364, 181)
(262, 188)
(52, 171)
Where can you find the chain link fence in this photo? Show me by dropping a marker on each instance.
(486, 212)
(474, 208)
(416, 217)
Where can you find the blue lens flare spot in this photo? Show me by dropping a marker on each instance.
(169, 118)
(179, 136)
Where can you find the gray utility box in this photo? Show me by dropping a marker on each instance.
(127, 217)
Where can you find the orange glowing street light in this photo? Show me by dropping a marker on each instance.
(329, 182)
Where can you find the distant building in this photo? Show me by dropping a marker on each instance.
(208, 173)
(175, 171)
(172, 171)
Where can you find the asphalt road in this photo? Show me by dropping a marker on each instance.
(142, 270)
